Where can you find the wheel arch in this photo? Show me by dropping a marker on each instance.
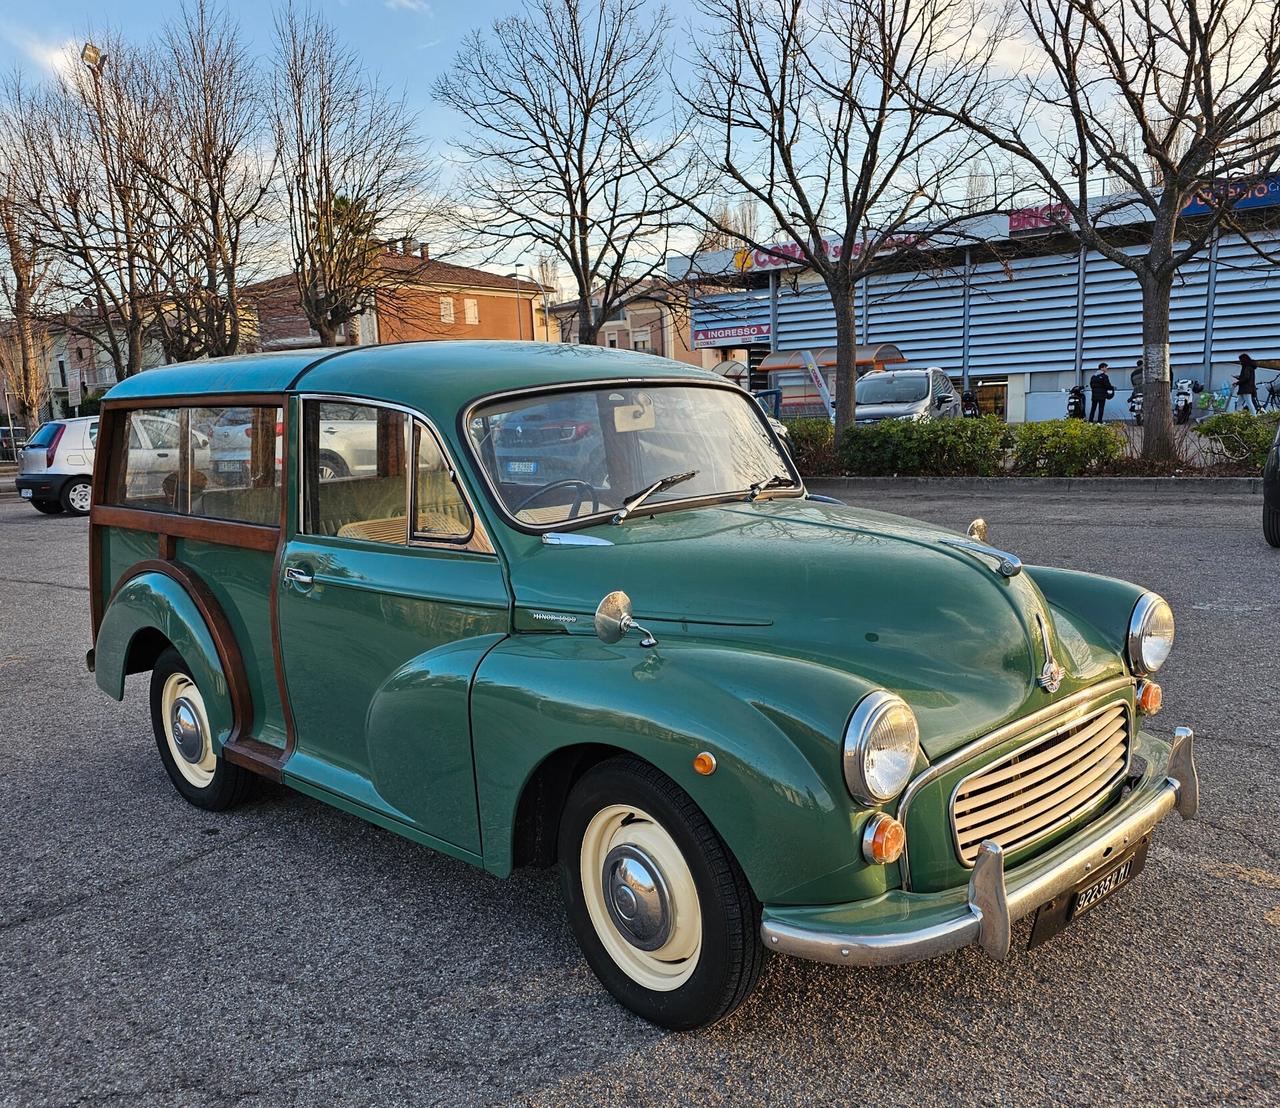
(149, 612)
(546, 707)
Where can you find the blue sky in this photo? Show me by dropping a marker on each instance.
(406, 41)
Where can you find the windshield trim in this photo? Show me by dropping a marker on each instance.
(495, 498)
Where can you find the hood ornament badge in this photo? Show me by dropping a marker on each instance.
(1052, 673)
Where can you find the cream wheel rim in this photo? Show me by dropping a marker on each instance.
(641, 897)
(79, 496)
(186, 730)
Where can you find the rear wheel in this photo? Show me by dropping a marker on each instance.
(660, 908)
(332, 466)
(185, 739)
(48, 507)
(1271, 525)
(76, 496)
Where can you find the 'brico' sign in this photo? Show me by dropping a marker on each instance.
(743, 334)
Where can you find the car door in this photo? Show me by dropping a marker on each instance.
(389, 596)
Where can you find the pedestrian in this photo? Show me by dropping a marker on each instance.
(1100, 391)
(1247, 385)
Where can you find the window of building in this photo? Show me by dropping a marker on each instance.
(439, 512)
(355, 475)
(62, 372)
(640, 340)
(612, 340)
(446, 309)
(471, 311)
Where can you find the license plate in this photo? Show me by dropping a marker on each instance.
(25, 494)
(229, 467)
(1054, 916)
(522, 467)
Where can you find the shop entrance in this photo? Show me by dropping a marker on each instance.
(992, 394)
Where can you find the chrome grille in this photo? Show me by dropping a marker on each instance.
(1041, 785)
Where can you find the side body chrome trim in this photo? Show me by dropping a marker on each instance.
(571, 538)
(1065, 711)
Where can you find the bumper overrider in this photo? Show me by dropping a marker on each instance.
(908, 927)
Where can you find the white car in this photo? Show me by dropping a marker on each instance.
(55, 468)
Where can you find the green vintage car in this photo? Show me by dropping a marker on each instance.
(739, 717)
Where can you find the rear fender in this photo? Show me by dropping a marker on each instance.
(152, 601)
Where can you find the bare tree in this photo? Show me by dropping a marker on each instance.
(810, 111)
(563, 101)
(206, 160)
(353, 165)
(1169, 100)
(75, 157)
(24, 278)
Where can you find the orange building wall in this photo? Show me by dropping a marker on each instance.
(414, 313)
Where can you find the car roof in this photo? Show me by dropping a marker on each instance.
(431, 376)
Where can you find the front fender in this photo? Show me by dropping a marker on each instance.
(1104, 603)
(774, 724)
(152, 601)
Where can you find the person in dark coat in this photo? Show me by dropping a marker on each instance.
(1100, 391)
(1247, 384)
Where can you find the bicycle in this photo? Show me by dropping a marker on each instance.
(1271, 402)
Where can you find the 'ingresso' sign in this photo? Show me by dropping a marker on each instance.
(745, 334)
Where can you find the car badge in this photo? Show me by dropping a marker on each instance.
(1051, 674)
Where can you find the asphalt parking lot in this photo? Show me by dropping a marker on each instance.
(286, 953)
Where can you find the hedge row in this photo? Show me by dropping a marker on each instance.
(1238, 437)
(984, 447)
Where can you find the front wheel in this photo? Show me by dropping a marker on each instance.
(660, 908)
(185, 739)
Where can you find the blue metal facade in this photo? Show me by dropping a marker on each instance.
(1026, 316)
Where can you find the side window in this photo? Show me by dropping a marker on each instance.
(440, 513)
(149, 477)
(234, 463)
(93, 433)
(355, 470)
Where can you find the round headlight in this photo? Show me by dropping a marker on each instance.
(1150, 634)
(880, 747)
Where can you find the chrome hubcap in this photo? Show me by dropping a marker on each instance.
(184, 724)
(79, 497)
(636, 897)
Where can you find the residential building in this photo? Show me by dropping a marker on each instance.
(424, 298)
(653, 320)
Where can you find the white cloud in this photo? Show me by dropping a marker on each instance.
(54, 58)
(409, 6)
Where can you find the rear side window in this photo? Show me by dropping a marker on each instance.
(219, 463)
(44, 436)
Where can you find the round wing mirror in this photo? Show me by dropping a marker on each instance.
(613, 620)
(613, 617)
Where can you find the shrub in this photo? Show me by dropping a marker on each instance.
(813, 447)
(1237, 437)
(1066, 447)
(929, 448)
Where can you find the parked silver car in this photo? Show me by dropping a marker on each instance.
(907, 394)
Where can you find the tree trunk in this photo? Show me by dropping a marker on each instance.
(846, 356)
(327, 331)
(588, 327)
(1158, 441)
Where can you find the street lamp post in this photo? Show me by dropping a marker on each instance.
(546, 319)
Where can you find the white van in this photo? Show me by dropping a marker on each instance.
(55, 468)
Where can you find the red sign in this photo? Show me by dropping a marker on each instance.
(741, 334)
(786, 255)
(1047, 217)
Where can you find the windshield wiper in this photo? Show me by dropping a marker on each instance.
(774, 482)
(637, 498)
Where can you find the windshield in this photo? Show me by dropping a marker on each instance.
(568, 455)
(893, 388)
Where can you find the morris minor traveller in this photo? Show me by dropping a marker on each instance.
(529, 604)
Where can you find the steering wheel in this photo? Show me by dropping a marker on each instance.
(570, 483)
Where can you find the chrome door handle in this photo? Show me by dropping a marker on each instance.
(299, 577)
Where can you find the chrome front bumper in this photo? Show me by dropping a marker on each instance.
(908, 927)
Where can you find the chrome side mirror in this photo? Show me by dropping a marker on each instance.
(613, 620)
(978, 530)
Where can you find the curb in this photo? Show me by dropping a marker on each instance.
(1161, 486)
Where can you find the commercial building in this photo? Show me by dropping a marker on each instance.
(1011, 307)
